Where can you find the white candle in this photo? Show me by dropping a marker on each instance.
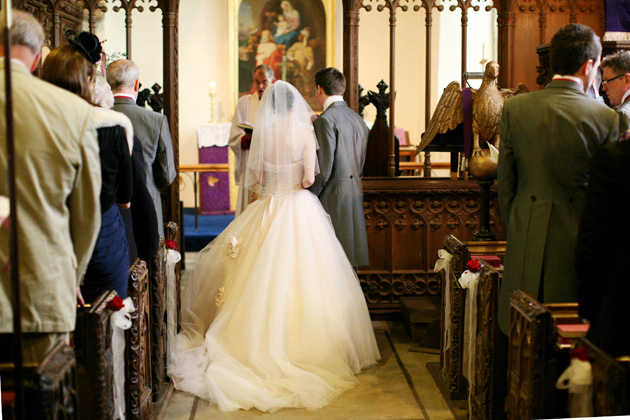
(213, 87)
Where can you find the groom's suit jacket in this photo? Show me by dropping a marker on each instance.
(152, 130)
(342, 137)
(547, 140)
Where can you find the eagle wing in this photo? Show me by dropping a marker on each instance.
(508, 93)
(447, 115)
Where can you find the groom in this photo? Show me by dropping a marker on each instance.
(342, 137)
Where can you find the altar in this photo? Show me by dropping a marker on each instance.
(215, 188)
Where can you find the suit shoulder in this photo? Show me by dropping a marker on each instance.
(45, 91)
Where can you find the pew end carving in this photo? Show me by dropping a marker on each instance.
(157, 296)
(611, 381)
(452, 328)
(50, 389)
(488, 390)
(137, 350)
(94, 354)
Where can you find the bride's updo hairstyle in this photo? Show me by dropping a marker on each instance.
(288, 102)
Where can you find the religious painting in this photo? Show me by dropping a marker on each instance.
(289, 36)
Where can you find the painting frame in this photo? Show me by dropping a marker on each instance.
(233, 45)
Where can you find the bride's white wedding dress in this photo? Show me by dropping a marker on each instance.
(274, 315)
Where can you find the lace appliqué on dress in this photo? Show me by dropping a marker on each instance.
(234, 247)
(220, 298)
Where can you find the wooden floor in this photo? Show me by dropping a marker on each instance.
(399, 388)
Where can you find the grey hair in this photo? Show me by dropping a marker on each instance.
(25, 30)
(101, 92)
(267, 68)
(122, 74)
(619, 62)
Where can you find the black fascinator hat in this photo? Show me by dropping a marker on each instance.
(87, 44)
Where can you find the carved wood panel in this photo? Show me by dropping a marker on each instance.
(611, 382)
(407, 220)
(488, 390)
(525, 24)
(158, 321)
(137, 350)
(529, 345)
(451, 359)
(95, 366)
(51, 390)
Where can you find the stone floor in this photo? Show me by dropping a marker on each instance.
(399, 388)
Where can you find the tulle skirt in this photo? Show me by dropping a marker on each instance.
(274, 315)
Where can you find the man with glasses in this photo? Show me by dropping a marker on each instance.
(240, 139)
(616, 82)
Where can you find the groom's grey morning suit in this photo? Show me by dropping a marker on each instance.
(152, 130)
(342, 137)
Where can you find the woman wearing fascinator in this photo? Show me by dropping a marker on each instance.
(273, 315)
(71, 67)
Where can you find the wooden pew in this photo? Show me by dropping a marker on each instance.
(611, 381)
(157, 297)
(451, 360)
(50, 389)
(95, 369)
(537, 355)
(159, 309)
(488, 389)
(137, 350)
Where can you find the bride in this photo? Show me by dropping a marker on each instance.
(274, 315)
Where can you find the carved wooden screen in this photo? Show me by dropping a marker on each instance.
(521, 24)
(58, 16)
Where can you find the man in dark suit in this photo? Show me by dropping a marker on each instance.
(149, 126)
(342, 137)
(547, 140)
(603, 248)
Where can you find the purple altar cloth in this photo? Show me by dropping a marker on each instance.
(214, 187)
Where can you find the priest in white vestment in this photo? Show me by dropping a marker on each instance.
(263, 76)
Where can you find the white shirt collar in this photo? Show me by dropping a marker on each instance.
(624, 97)
(124, 95)
(331, 99)
(571, 78)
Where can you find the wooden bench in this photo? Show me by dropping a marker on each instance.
(95, 369)
(537, 355)
(451, 360)
(50, 389)
(138, 346)
(611, 381)
(159, 309)
(488, 389)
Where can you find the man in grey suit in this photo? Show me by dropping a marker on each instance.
(149, 126)
(547, 140)
(342, 137)
(616, 81)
